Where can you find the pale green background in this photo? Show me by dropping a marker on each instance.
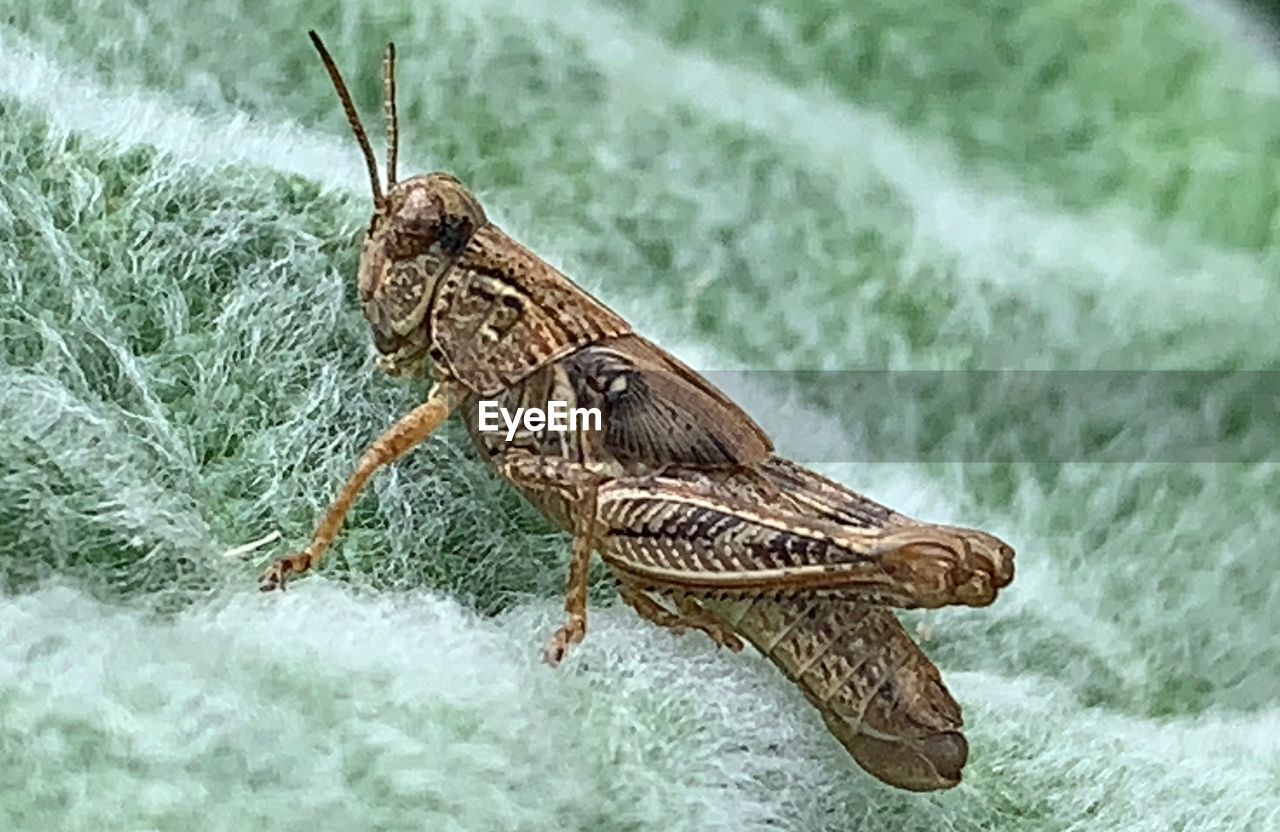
(913, 184)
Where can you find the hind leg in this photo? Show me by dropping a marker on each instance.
(691, 616)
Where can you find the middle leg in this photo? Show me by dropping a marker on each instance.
(575, 604)
(581, 482)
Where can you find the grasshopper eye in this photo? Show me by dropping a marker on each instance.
(454, 234)
(418, 229)
(411, 237)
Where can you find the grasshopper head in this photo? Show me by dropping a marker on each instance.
(419, 226)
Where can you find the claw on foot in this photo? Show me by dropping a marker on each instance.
(277, 576)
(567, 636)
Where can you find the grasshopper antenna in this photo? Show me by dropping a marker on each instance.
(389, 106)
(353, 118)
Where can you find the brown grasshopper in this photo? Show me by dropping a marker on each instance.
(678, 489)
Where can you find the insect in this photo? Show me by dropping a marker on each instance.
(677, 489)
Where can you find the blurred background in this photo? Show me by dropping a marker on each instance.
(765, 187)
(1268, 12)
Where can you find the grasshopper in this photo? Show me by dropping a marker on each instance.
(678, 489)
